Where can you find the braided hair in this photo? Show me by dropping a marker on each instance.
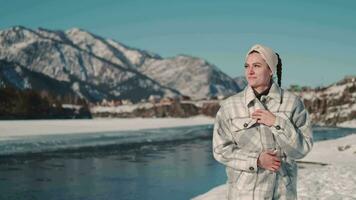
(279, 70)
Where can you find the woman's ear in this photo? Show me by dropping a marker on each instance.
(270, 72)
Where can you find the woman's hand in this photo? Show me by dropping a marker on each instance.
(264, 117)
(269, 160)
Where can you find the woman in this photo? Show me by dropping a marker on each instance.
(260, 131)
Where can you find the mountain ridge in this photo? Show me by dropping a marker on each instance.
(106, 63)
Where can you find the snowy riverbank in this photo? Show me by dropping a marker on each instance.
(22, 136)
(50, 127)
(36, 136)
(337, 180)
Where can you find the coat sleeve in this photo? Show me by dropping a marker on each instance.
(226, 151)
(294, 135)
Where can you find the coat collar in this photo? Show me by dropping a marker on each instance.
(275, 93)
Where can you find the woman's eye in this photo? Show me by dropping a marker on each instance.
(245, 66)
(257, 65)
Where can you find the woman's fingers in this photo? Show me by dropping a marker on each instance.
(271, 152)
(270, 160)
(275, 169)
(261, 111)
(277, 165)
(259, 118)
(256, 115)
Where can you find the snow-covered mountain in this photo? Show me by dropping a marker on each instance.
(56, 55)
(98, 68)
(19, 77)
(241, 81)
(334, 104)
(191, 76)
(109, 49)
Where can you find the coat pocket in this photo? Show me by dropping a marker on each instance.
(232, 175)
(239, 124)
(240, 179)
(245, 134)
(246, 181)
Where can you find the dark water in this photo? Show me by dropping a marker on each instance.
(165, 170)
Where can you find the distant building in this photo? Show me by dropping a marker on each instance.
(104, 102)
(126, 102)
(212, 98)
(111, 103)
(220, 97)
(154, 99)
(185, 98)
(115, 103)
(167, 101)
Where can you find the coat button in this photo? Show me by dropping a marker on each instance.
(278, 127)
(251, 168)
(245, 124)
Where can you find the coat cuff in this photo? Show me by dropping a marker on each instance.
(252, 162)
(279, 124)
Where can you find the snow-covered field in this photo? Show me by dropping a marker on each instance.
(337, 180)
(35, 136)
(50, 127)
(350, 124)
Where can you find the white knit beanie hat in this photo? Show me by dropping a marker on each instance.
(267, 54)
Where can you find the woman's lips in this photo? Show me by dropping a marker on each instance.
(251, 77)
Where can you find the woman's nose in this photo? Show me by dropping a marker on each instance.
(250, 70)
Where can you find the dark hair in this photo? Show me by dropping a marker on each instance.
(279, 70)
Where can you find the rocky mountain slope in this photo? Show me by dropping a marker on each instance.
(334, 104)
(97, 68)
(55, 55)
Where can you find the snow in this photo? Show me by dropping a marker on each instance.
(334, 151)
(96, 45)
(336, 90)
(121, 108)
(95, 61)
(329, 182)
(350, 124)
(308, 95)
(17, 137)
(134, 56)
(71, 106)
(146, 105)
(340, 111)
(190, 76)
(337, 180)
(48, 127)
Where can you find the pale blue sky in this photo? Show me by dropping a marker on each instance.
(315, 39)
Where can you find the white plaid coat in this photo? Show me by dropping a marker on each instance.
(238, 140)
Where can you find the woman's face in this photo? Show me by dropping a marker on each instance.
(257, 72)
